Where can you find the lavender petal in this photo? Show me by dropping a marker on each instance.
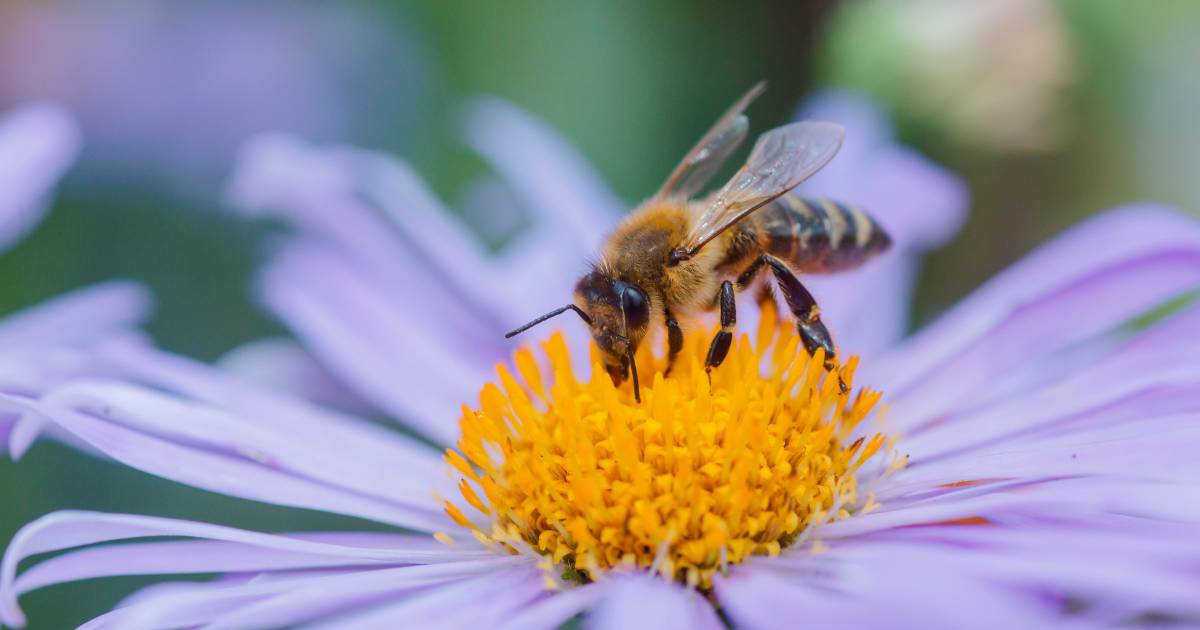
(237, 476)
(38, 143)
(80, 315)
(282, 365)
(1079, 286)
(310, 596)
(462, 604)
(382, 351)
(231, 550)
(558, 608)
(644, 601)
(370, 443)
(303, 455)
(562, 190)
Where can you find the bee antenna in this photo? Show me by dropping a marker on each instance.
(555, 313)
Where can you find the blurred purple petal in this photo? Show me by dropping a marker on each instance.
(383, 352)
(64, 530)
(371, 443)
(560, 187)
(288, 600)
(644, 601)
(398, 478)
(1084, 283)
(1012, 577)
(78, 316)
(920, 204)
(216, 556)
(38, 143)
(233, 475)
(463, 604)
(1145, 379)
(558, 608)
(283, 365)
(905, 590)
(165, 92)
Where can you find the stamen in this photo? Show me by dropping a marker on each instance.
(689, 481)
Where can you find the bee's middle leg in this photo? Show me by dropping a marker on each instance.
(724, 338)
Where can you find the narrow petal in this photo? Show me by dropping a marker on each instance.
(306, 455)
(1083, 284)
(340, 197)
(234, 476)
(1145, 378)
(383, 351)
(561, 189)
(1103, 571)
(643, 601)
(38, 143)
(558, 608)
(80, 315)
(1031, 575)
(907, 592)
(348, 434)
(287, 600)
(280, 364)
(220, 549)
(462, 604)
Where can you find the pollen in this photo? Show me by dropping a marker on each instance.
(707, 471)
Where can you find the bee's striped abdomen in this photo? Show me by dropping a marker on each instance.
(818, 235)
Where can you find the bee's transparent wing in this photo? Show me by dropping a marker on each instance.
(781, 159)
(706, 158)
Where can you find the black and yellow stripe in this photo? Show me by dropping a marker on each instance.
(818, 235)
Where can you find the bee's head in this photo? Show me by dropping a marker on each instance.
(618, 313)
(620, 317)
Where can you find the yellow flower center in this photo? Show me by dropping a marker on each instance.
(692, 479)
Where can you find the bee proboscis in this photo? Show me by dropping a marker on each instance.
(678, 254)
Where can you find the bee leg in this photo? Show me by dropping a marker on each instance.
(765, 297)
(747, 276)
(720, 343)
(674, 341)
(808, 316)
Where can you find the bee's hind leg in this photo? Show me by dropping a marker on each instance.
(724, 338)
(765, 297)
(812, 330)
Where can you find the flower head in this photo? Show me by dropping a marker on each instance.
(1048, 444)
(706, 471)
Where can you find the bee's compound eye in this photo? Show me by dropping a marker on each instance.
(636, 306)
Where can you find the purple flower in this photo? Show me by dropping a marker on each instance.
(1050, 443)
(47, 344)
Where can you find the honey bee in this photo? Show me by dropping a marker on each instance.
(678, 254)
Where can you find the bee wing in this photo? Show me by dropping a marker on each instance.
(781, 159)
(706, 158)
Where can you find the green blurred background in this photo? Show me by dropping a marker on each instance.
(1050, 111)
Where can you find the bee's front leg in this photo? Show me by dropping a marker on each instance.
(674, 340)
(720, 343)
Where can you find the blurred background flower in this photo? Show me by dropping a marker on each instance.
(1045, 111)
(990, 74)
(166, 91)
